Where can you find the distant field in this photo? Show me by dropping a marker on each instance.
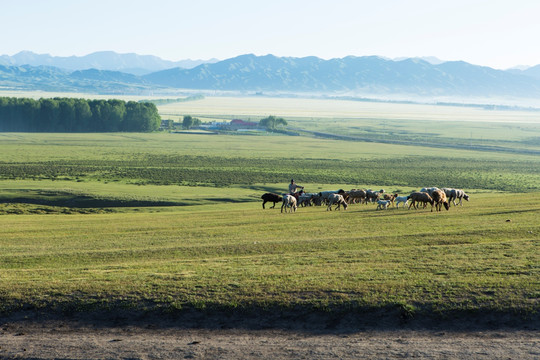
(228, 160)
(328, 109)
(417, 123)
(164, 221)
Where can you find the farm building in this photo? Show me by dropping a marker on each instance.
(238, 124)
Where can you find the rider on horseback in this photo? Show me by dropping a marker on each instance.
(293, 187)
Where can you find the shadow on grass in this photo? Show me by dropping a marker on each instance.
(84, 202)
(80, 201)
(60, 199)
(339, 320)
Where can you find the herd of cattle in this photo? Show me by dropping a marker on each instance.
(434, 196)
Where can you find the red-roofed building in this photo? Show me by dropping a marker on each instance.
(237, 124)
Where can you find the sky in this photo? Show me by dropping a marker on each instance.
(495, 33)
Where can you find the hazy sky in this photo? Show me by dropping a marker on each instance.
(496, 33)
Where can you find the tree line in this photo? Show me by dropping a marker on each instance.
(77, 115)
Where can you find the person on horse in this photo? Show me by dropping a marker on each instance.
(293, 187)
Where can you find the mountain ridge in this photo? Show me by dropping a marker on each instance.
(368, 73)
(273, 74)
(101, 60)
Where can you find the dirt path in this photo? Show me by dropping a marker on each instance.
(60, 340)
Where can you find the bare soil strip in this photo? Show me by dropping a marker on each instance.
(64, 341)
(26, 336)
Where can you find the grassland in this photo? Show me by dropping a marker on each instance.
(220, 161)
(172, 222)
(232, 256)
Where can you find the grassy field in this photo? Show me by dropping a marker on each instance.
(171, 222)
(221, 161)
(483, 256)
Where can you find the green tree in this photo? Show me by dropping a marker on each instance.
(67, 115)
(49, 115)
(26, 114)
(188, 122)
(152, 119)
(133, 116)
(141, 117)
(271, 122)
(116, 114)
(77, 115)
(83, 115)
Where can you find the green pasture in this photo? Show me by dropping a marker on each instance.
(219, 161)
(174, 221)
(482, 256)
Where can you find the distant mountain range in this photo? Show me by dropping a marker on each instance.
(47, 78)
(108, 72)
(369, 74)
(532, 71)
(104, 60)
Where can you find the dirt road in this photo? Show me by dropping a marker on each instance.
(67, 340)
